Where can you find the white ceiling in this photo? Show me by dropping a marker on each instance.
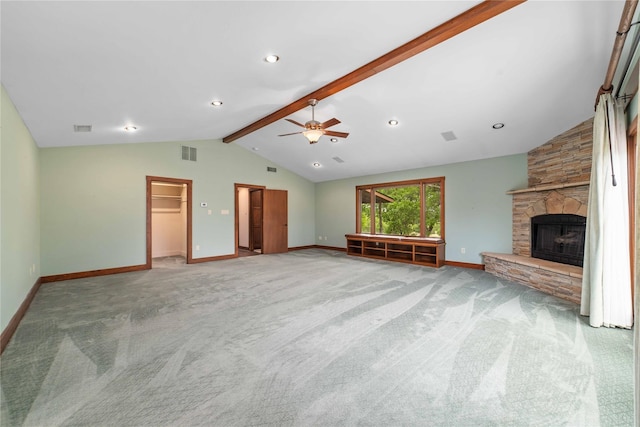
(158, 65)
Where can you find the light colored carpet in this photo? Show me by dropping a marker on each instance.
(311, 337)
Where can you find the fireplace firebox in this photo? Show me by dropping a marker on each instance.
(559, 238)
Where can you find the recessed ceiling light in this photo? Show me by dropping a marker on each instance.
(255, 148)
(130, 128)
(216, 103)
(393, 123)
(334, 140)
(272, 59)
(498, 126)
(316, 165)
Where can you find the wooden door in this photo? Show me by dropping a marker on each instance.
(274, 222)
(255, 220)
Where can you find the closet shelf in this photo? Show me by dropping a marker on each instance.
(165, 197)
(165, 210)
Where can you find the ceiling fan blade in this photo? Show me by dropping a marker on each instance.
(287, 134)
(295, 123)
(329, 123)
(334, 133)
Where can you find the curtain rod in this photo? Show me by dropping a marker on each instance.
(621, 36)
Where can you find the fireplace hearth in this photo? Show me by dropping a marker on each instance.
(559, 238)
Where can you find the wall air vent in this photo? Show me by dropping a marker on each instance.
(271, 169)
(189, 153)
(82, 128)
(338, 159)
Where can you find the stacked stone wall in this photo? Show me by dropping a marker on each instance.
(564, 159)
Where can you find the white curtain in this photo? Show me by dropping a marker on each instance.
(606, 278)
(636, 332)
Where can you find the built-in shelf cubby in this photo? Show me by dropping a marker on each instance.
(414, 250)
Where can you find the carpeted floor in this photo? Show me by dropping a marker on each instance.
(311, 337)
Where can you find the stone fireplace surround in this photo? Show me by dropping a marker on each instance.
(559, 173)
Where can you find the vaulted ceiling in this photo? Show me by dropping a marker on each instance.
(157, 66)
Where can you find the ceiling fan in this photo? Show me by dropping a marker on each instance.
(314, 129)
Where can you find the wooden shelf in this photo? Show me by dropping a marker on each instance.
(166, 198)
(414, 250)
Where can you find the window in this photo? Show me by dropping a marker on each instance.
(406, 208)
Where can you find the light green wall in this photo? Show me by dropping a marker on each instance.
(477, 211)
(19, 211)
(94, 200)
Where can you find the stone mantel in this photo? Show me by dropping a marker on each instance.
(548, 187)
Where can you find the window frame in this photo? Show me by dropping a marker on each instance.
(373, 188)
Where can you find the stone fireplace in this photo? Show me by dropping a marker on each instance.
(559, 173)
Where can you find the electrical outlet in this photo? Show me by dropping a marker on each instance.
(197, 247)
(463, 250)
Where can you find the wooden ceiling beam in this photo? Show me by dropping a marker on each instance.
(466, 20)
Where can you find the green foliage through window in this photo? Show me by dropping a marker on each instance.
(410, 208)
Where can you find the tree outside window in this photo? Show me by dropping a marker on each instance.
(408, 208)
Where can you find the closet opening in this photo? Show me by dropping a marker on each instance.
(168, 222)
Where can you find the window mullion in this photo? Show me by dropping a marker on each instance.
(372, 212)
(422, 210)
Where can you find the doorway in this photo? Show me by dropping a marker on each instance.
(248, 206)
(261, 220)
(168, 221)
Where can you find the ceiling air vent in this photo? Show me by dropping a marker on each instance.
(449, 136)
(82, 128)
(338, 159)
(271, 169)
(189, 153)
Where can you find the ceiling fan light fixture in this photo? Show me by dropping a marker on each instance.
(314, 129)
(313, 135)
